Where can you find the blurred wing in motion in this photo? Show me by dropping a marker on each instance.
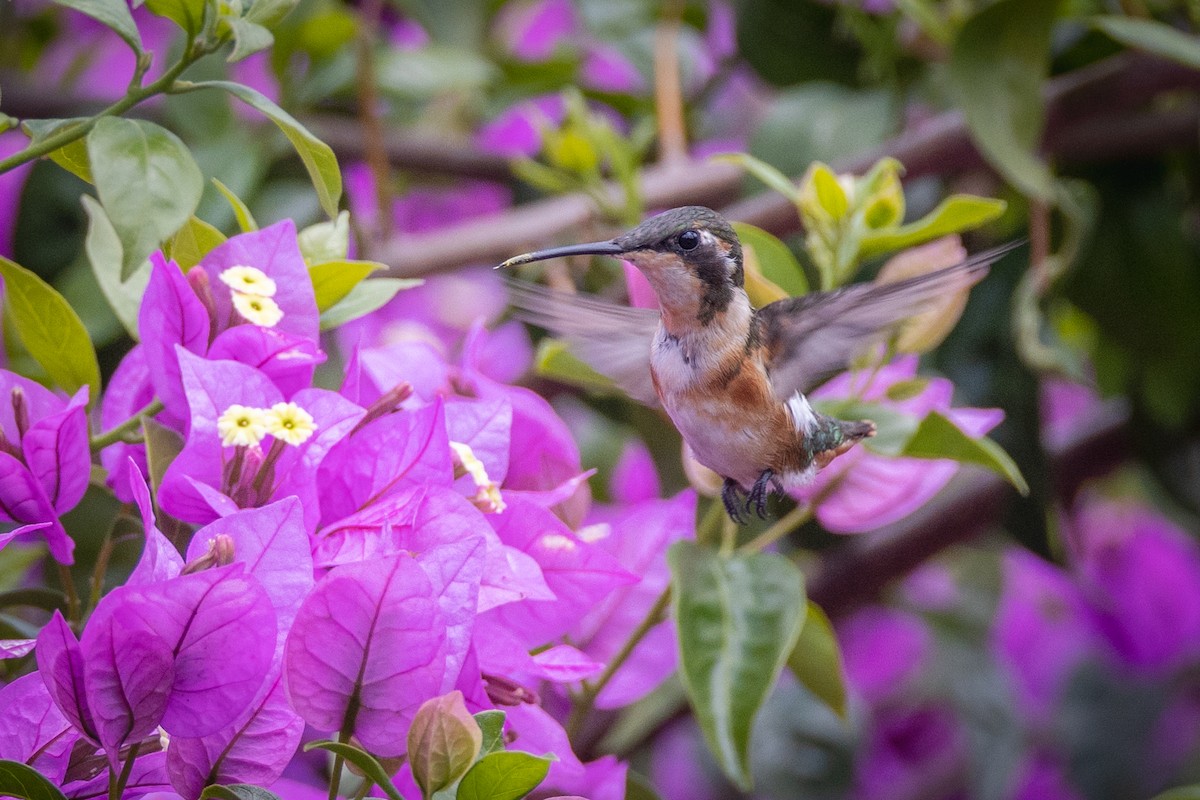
(811, 338)
(613, 340)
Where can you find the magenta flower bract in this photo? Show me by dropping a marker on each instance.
(882, 650)
(533, 29)
(517, 131)
(33, 725)
(129, 390)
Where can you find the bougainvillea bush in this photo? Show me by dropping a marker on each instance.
(294, 509)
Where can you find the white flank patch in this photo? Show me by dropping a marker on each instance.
(803, 416)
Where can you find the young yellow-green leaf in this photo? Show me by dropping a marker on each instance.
(50, 330)
(333, 280)
(103, 248)
(113, 13)
(503, 776)
(237, 791)
(72, 157)
(816, 660)
(737, 620)
(192, 243)
(187, 14)
(959, 212)
(317, 156)
(491, 724)
(773, 178)
(363, 299)
(241, 211)
(248, 38)
(775, 260)
(366, 763)
(998, 63)
(555, 360)
(822, 185)
(148, 183)
(938, 437)
(22, 780)
(1153, 37)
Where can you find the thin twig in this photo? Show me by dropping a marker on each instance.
(368, 113)
(668, 91)
(119, 432)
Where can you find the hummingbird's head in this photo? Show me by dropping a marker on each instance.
(690, 255)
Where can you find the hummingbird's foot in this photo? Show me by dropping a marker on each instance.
(758, 493)
(731, 496)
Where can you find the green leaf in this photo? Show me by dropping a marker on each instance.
(366, 763)
(187, 14)
(333, 280)
(503, 776)
(50, 330)
(103, 248)
(773, 178)
(148, 183)
(491, 723)
(433, 69)
(1153, 37)
(960, 212)
(893, 429)
(317, 156)
(555, 360)
(192, 243)
(363, 299)
(326, 241)
(72, 157)
(22, 780)
(738, 618)
(113, 13)
(162, 446)
(997, 66)
(444, 741)
(248, 38)
(938, 437)
(816, 660)
(776, 261)
(241, 211)
(269, 13)
(237, 791)
(1181, 793)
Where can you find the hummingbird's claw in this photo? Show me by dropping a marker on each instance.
(731, 496)
(760, 490)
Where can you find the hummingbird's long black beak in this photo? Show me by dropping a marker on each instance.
(609, 248)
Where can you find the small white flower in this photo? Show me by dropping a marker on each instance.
(242, 425)
(487, 497)
(290, 423)
(262, 311)
(248, 280)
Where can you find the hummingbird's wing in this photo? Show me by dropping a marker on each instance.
(811, 338)
(613, 340)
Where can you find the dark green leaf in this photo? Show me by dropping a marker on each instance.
(72, 157)
(816, 660)
(639, 788)
(237, 791)
(1153, 37)
(938, 437)
(365, 298)
(492, 725)
(187, 14)
(366, 763)
(192, 242)
(997, 66)
(954, 214)
(241, 211)
(34, 597)
(22, 780)
(248, 38)
(148, 183)
(503, 776)
(103, 248)
(113, 13)
(775, 260)
(50, 330)
(333, 280)
(318, 158)
(737, 618)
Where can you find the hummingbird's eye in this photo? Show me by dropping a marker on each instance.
(689, 240)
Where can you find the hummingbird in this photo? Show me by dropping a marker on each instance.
(732, 378)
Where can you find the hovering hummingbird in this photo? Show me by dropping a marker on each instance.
(731, 377)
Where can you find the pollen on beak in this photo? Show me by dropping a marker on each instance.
(589, 249)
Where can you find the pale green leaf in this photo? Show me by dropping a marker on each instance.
(241, 211)
(368, 296)
(737, 619)
(148, 183)
(269, 13)
(103, 248)
(504, 775)
(773, 178)
(248, 38)
(960, 212)
(50, 330)
(113, 13)
(1153, 37)
(326, 241)
(816, 660)
(333, 280)
(775, 260)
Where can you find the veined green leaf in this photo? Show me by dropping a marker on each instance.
(187, 14)
(775, 260)
(103, 248)
(1153, 37)
(333, 280)
(22, 780)
(192, 243)
(504, 775)
(816, 660)
(248, 38)
(738, 619)
(365, 762)
(50, 330)
(113, 13)
(997, 66)
(491, 723)
(148, 183)
(938, 437)
(956, 213)
(72, 157)
(364, 298)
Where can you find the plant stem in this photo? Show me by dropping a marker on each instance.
(785, 525)
(133, 96)
(117, 788)
(73, 608)
(587, 698)
(117, 434)
(668, 94)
